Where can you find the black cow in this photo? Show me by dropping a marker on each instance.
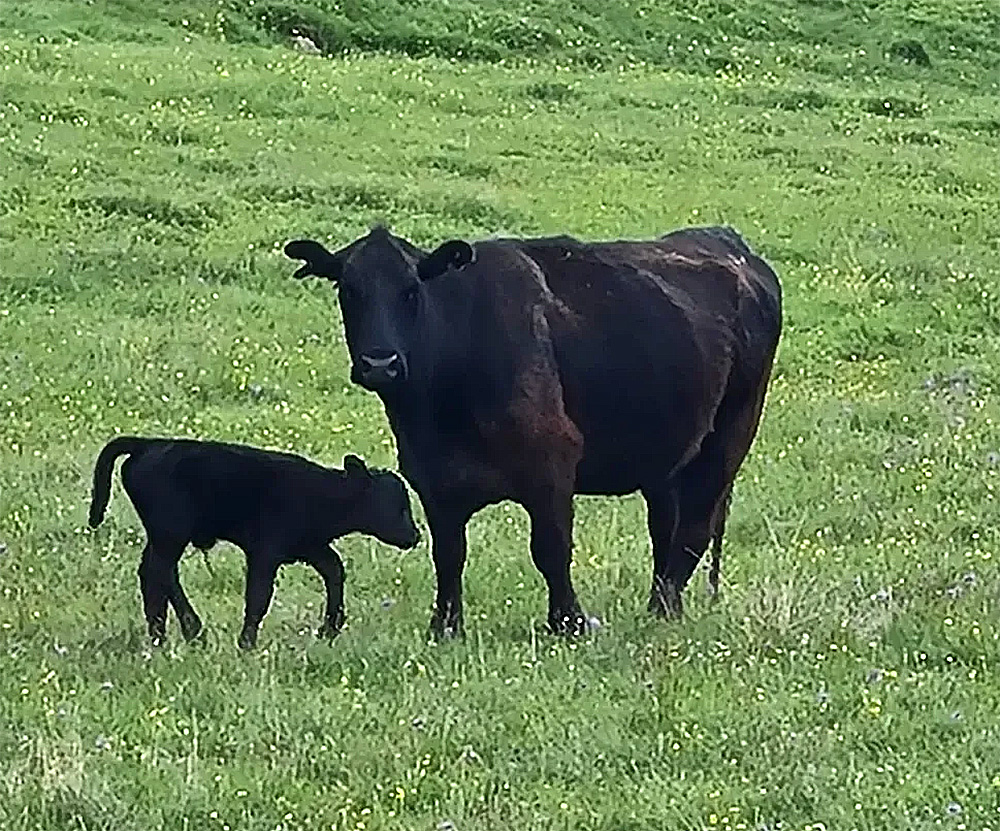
(278, 507)
(533, 369)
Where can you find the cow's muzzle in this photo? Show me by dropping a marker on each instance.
(375, 371)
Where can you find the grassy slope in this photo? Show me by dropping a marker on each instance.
(849, 675)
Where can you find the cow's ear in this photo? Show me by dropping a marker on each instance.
(355, 467)
(319, 261)
(455, 253)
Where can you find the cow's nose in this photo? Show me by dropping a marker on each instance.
(376, 371)
(389, 364)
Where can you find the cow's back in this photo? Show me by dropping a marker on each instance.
(646, 336)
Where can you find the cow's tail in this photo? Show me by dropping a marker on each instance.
(717, 533)
(121, 446)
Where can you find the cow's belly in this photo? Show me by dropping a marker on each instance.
(599, 477)
(617, 464)
(639, 433)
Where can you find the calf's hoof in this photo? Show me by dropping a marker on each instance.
(329, 629)
(665, 600)
(570, 621)
(156, 630)
(247, 640)
(191, 628)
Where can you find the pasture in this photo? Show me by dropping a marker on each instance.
(155, 158)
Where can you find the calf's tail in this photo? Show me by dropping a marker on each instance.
(121, 446)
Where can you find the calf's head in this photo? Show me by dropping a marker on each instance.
(383, 509)
(381, 281)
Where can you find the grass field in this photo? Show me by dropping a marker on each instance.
(155, 157)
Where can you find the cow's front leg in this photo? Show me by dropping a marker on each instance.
(448, 550)
(551, 513)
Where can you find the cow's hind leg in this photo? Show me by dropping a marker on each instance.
(703, 489)
(156, 568)
(663, 513)
(695, 523)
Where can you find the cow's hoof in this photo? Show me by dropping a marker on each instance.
(447, 622)
(665, 601)
(191, 628)
(446, 630)
(568, 622)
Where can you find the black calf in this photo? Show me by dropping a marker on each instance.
(278, 507)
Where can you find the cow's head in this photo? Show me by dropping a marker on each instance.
(381, 281)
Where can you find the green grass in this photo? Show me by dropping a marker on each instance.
(849, 676)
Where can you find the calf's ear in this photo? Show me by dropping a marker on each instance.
(355, 466)
(455, 253)
(319, 261)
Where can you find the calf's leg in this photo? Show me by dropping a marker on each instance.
(262, 569)
(330, 567)
(156, 583)
(188, 617)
